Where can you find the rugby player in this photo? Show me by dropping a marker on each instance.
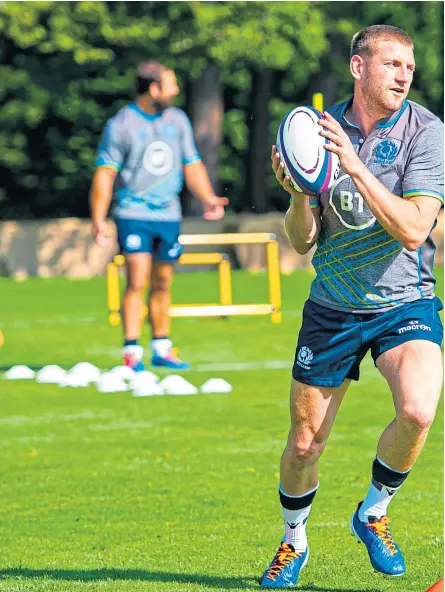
(374, 290)
(146, 152)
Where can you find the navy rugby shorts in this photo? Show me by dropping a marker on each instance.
(159, 239)
(331, 343)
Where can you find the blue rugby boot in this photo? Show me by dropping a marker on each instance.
(169, 360)
(384, 554)
(285, 568)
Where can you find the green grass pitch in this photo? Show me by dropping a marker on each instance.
(106, 492)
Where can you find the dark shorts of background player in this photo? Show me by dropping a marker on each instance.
(159, 239)
(331, 344)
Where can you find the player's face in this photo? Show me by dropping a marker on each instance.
(388, 75)
(167, 90)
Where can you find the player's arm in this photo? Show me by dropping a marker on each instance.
(408, 220)
(302, 222)
(195, 173)
(100, 199)
(197, 181)
(109, 160)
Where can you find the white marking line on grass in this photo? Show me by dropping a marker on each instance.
(212, 367)
(241, 366)
(51, 321)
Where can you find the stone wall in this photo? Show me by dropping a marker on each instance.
(65, 247)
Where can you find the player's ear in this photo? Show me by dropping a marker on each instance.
(356, 67)
(155, 90)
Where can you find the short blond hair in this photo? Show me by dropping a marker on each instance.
(364, 42)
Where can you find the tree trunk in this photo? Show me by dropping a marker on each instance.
(259, 144)
(206, 109)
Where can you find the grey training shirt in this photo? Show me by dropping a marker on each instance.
(359, 266)
(149, 153)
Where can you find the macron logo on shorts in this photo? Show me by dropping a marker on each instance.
(133, 242)
(413, 326)
(305, 357)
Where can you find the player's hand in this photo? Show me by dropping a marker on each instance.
(214, 207)
(340, 144)
(100, 232)
(278, 169)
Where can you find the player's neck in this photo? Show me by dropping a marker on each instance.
(363, 115)
(146, 104)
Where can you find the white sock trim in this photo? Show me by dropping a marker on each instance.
(390, 468)
(302, 495)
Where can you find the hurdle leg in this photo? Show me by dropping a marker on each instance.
(113, 295)
(317, 101)
(225, 282)
(273, 266)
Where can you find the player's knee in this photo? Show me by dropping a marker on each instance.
(305, 447)
(417, 418)
(160, 285)
(136, 285)
(161, 281)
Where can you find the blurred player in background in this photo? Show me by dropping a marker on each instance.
(146, 152)
(374, 290)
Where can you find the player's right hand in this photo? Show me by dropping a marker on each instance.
(100, 233)
(278, 169)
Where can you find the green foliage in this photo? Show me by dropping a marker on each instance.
(66, 67)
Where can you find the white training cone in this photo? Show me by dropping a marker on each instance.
(176, 385)
(20, 372)
(143, 378)
(86, 370)
(148, 390)
(74, 380)
(123, 372)
(109, 383)
(216, 385)
(51, 374)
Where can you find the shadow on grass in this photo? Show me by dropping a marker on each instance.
(241, 582)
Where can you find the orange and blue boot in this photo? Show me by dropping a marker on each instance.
(285, 568)
(383, 552)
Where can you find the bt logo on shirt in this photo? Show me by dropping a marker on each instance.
(349, 205)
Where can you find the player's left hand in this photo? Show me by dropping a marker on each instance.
(214, 207)
(340, 144)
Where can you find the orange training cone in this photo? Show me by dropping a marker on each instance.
(437, 587)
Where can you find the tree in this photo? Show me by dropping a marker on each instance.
(66, 67)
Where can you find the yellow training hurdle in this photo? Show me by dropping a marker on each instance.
(225, 307)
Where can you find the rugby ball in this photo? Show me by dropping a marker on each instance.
(311, 168)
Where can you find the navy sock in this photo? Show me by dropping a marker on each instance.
(387, 476)
(130, 342)
(297, 502)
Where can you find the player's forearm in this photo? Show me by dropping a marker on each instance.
(101, 193)
(302, 225)
(197, 181)
(400, 218)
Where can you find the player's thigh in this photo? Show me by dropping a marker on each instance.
(161, 276)
(414, 374)
(313, 408)
(138, 268)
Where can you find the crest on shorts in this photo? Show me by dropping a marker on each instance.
(386, 152)
(305, 357)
